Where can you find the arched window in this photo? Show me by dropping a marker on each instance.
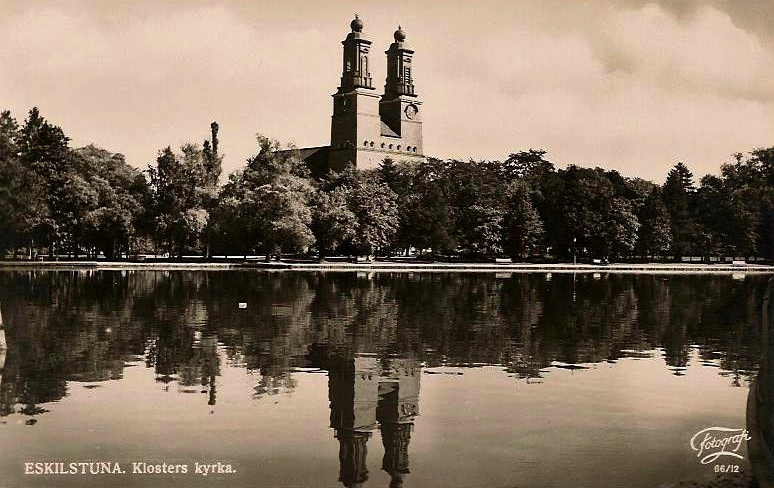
(365, 143)
(390, 146)
(415, 149)
(408, 148)
(398, 147)
(372, 143)
(382, 145)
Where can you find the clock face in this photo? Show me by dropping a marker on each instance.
(411, 111)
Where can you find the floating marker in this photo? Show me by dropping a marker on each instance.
(242, 304)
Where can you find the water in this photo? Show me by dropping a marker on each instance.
(375, 379)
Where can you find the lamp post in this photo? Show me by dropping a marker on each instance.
(574, 258)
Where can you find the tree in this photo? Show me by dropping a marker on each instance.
(749, 186)
(44, 150)
(272, 199)
(23, 204)
(423, 196)
(376, 213)
(655, 233)
(181, 195)
(678, 197)
(332, 220)
(117, 193)
(213, 161)
(529, 164)
(429, 222)
(621, 229)
(522, 228)
(728, 223)
(477, 204)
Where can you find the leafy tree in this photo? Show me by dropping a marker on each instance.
(44, 149)
(181, 195)
(23, 205)
(749, 185)
(621, 229)
(117, 193)
(272, 199)
(376, 213)
(332, 220)
(78, 199)
(529, 164)
(655, 234)
(429, 222)
(423, 194)
(522, 228)
(477, 204)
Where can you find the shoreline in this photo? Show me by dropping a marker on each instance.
(384, 266)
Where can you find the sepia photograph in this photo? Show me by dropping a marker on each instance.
(386, 243)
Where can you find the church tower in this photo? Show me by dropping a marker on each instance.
(399, 108)
(355, 105)
(367, 127)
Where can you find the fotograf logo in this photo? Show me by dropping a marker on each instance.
(714, 442)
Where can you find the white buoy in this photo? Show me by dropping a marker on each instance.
(242, 304)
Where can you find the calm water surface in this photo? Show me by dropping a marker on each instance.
(375, 379)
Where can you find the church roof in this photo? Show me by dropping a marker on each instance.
(316, 158)
(386, 131)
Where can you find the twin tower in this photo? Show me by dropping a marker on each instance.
(367, 127)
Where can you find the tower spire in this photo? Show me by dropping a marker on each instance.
(400, 79)
(355, 72)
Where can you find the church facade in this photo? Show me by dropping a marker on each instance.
(367, 127)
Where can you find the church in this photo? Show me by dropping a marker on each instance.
(367, 127)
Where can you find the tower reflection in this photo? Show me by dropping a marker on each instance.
(367, 392)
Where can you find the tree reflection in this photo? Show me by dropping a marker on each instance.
(69, 329)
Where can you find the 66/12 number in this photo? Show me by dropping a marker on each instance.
(726, 468)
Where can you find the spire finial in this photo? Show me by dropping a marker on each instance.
(356, 24)
(399, 35)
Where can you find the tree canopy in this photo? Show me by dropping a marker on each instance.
(88, 201)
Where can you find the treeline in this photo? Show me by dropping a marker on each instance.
(58, 200)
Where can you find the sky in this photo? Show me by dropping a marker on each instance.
(630, 85)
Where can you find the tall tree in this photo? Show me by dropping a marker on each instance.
(24, 212)
(678, 195)
(654, 237)
(273, 195)
(376, 213)
(332, 220)
(181, 196)
(111, 220)
(44, 149)
(522, 228)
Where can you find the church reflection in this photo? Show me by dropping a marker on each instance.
(372, 335)
(367, 393)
